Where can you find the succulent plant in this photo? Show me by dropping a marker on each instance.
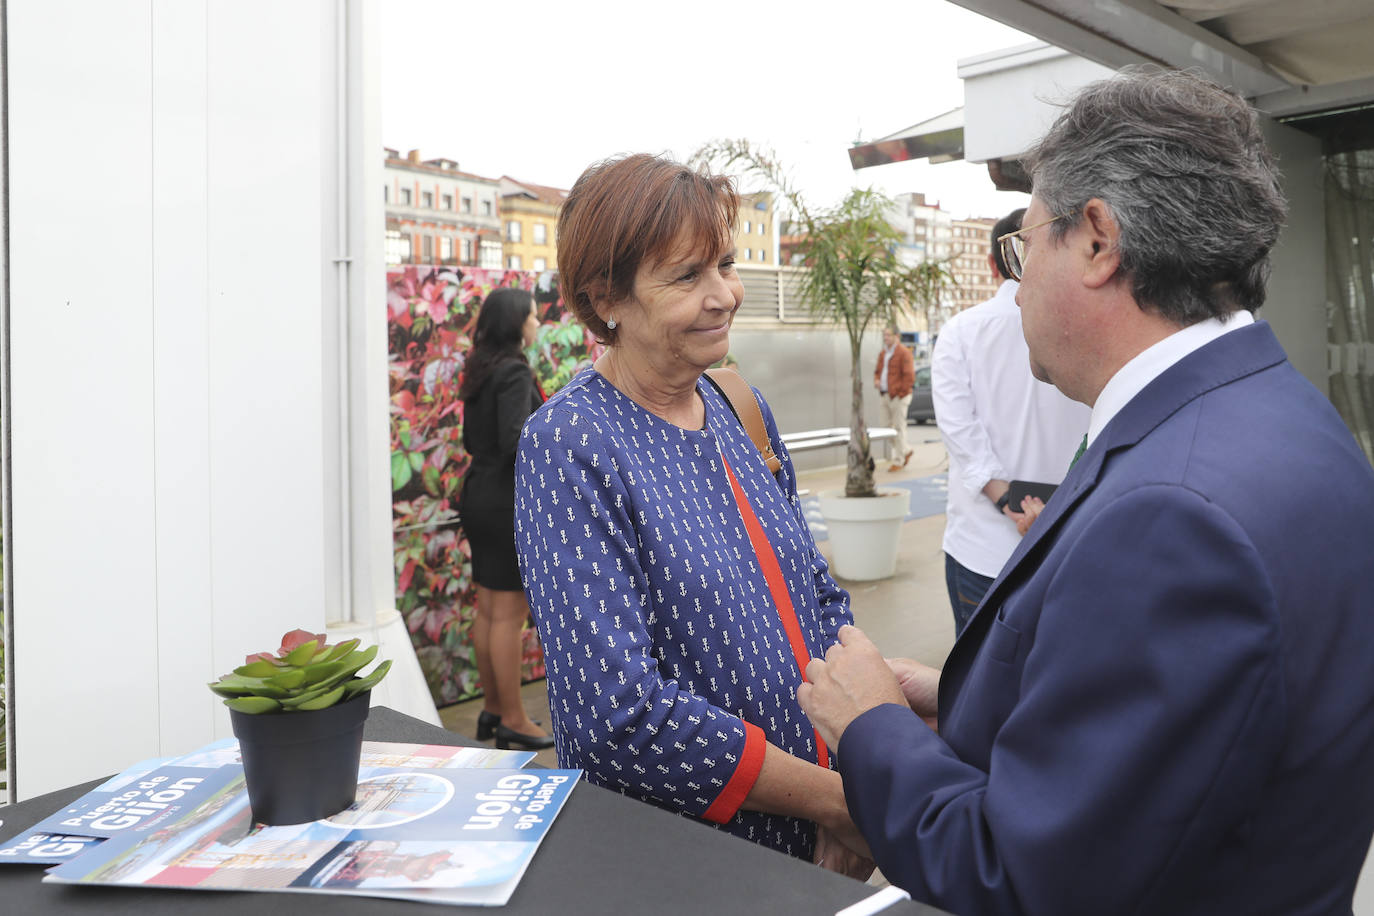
(305, 673)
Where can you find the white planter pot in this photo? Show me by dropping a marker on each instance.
(864, 531)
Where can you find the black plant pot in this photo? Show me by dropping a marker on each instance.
(301, 766)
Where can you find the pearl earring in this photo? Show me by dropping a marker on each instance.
(610, 325)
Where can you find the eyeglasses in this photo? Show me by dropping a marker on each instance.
(1014, 248)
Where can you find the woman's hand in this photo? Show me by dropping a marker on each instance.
(834, 855)
(921, 686)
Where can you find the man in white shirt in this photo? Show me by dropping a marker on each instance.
(1164, 703)
(999, 424)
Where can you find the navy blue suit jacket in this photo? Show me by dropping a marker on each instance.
(1165, 703)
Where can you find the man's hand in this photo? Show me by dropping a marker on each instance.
(921, 686)
(852, 679)
(1031, 507)
(834, 855)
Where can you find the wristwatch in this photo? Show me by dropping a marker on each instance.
(1003, 500)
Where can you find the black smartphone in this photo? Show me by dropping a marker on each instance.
(1020, 489)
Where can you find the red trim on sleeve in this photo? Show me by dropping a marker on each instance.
(743, 779)
(772, 574)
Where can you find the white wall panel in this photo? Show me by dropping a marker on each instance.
(181, 373)
(265, 387)
(176, 377)
(80, 129)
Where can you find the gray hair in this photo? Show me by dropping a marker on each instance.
(1187, 175)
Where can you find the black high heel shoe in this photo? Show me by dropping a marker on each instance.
(487, 724)
(505, 737)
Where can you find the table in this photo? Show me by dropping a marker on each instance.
(604, 854)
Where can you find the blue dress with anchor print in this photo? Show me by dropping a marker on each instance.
(667, 659)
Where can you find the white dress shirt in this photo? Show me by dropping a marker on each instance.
(887, 361)
(998, 422)
(1150, 363)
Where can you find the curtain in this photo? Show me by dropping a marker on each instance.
(1350, 284)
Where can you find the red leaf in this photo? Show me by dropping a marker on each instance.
(296, 638)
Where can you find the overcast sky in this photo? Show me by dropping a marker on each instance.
(539, 90)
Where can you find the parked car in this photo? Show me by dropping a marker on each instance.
(922, 409)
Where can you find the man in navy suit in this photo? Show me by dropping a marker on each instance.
(1165, 703)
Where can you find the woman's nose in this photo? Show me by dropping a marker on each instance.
(723, 293)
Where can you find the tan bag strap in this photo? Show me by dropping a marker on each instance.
(740, 397)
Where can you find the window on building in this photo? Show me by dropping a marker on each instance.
(447, 201)
(397, 247)
(513, 230)
(465, 250)
(746, 254)
(513, 262)
(427, 199)
(427, 248)
(763, 228)
(467, 204)
(446, 248)
(486, 208)
(489, 254)
(763, 255)
(541, 264)
(386, 193)
(405, 196)
(541, 234)
(748, 227)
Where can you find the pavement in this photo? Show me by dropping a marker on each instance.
(907, 614)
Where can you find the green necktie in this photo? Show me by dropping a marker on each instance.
(1082, 447)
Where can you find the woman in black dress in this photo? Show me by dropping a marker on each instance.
(499, 393)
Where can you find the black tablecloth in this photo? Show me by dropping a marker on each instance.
(604, 854)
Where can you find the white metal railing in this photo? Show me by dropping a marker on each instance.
(835, 435)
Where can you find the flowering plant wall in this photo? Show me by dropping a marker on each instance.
(431, 314)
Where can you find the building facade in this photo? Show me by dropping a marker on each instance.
(756, 236)
(438, 214)
(529, 221)
(970, 243)
(927, 231)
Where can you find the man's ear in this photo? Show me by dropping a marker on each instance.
(1100, 243)
(992, 267)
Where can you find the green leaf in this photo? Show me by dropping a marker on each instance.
(343, 648)
(302, 654)
(288, 680)
(258, 668)
(227, 690)
(306, 696)
(316, 674)
(253, 705)
(324, 701)
(400, 470)
(358, 685)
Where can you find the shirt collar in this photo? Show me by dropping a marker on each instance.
(1153, 361)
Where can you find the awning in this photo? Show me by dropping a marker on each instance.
(939, 139)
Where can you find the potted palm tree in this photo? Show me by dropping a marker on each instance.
(298, 714)
(853, 278)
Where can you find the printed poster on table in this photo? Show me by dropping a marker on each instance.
(440, 835)
(131, 801)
